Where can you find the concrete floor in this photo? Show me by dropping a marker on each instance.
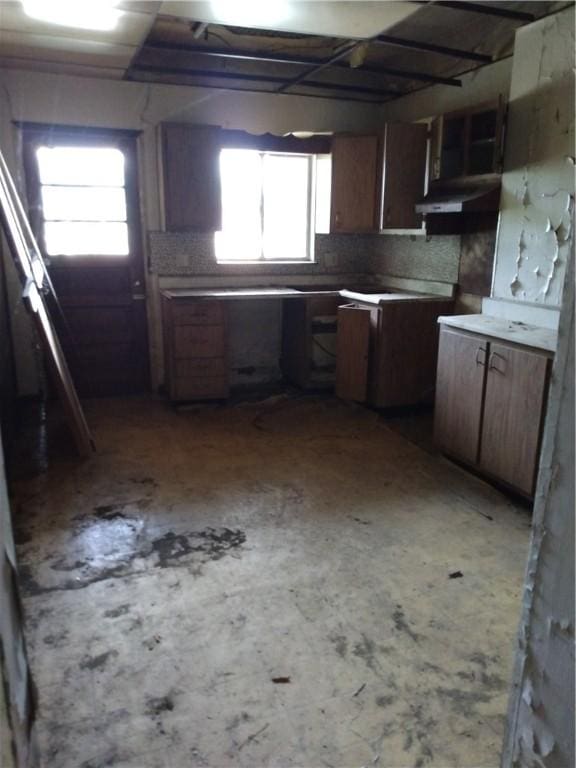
(266, 585)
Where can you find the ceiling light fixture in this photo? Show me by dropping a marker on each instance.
(251, 13)
(100, 15)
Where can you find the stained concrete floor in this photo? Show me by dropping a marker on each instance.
(266, 585)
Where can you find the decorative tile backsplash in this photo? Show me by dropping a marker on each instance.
(435, 258)
(192, 253)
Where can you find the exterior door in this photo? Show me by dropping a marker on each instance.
(84, 207)
(459, 392)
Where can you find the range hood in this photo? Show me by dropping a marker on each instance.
(464, 195)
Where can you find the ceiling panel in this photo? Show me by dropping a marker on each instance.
(87, 52)
(132, 28)
(340, 18)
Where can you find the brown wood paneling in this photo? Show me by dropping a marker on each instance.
(191, 159)
(405, 352)
(405, 149)
(356, 179)
(352, 351)
(199, 341)
(513, 411)
(459, 393)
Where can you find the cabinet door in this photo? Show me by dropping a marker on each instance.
(513, 410)
(459, 390)
(405, 352)
(356, 180)
(191, 159)
(352, 350)
(405, 149)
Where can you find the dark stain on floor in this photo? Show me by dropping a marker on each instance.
(340, 643)
(212, 542)
(96, 662)
(402, 625)
(157, 706)
(113, 613)
(170, 550)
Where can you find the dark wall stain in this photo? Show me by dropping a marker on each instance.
(384, 701)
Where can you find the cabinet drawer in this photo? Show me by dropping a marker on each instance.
(206, 366)
(199, 341)
(205, 387)
(198, 313)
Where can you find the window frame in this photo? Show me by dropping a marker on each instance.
(36, 135)
(311, 157)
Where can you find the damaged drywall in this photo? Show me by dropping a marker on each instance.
(537, 204)
(541, 712)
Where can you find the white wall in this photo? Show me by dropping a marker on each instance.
(541, 711)
(537, 204)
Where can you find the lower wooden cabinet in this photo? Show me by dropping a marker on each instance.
(195, 349)
(490, 405)
(387, 353)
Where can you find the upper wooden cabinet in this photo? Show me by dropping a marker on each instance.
(356, 180)
(468, 142)
(377, 179)
(192, 196)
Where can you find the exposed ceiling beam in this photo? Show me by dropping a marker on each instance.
(316, 84)
(314, 65)
(488, 10)
(344, 51)
(414, 45)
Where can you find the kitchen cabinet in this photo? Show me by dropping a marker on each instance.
(191, 177)
(387, 349)
(459, 393)
(468, 142)
(195, 349)
(377, 179)
(490, 405)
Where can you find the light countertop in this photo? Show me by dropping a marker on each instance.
(390, 296)
(505, 330)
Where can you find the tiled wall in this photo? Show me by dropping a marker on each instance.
(435, 258)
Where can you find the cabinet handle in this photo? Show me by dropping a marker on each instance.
(492, 365)
(482, 361)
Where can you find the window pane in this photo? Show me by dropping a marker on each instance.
(83, 166)
(286, 207)
(84, 203)
(241, 179)
(86, 239)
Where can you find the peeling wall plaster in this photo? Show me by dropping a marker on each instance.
(537, 205)
(541, 711)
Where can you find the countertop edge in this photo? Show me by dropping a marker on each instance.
(522, 334)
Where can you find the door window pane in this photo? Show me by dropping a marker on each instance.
(86, 238)
(84, 203)
(81, 166)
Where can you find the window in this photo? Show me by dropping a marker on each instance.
(83, 195)
(272, 203)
